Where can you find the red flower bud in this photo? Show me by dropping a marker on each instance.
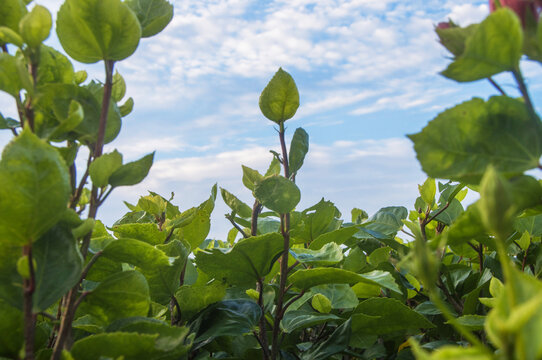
(443, 25)
(522, 8)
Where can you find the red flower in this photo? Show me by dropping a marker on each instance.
(523, 8)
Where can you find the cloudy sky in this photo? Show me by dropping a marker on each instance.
(366, 70)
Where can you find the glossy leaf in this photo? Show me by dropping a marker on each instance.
(153, 15)
(494, 47)
(298, 149)
(226, 318)
(35, 26)
(249, 260)
(34, 189)
(302, 319)
(132, 173)
(278, 194)
(321, 303)
(329, 254)
(103, 167)
(338, 237)
(280, 99)
(341, 296)
(386, 316)
(499, 132)
(305, 279)
(94, 30)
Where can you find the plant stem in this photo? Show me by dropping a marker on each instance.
(29, 316)
(70, 299)
(262, 338)
(496, 86)
(524, 92)
(285, 230)
(256, 209)
(235, 225)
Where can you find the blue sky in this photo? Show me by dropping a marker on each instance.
(366, 70)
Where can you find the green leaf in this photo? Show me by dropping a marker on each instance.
(472, 322)
(428, 191)
(103, 167)
(298, 149)
(121, 295)
(384, 224)
(137, 253)
(226, 318)
(94, 30)
(126, 108)
(196, 227)
(251, 177)
(334, 344)
(119, 87)
(148, 233)
(280, 99)
(11, 13)
(302, 319)
(532, 224)
(340, 295)
(35, 26)
(119, 345)
(384, 315)
(132, 173)
(495, 204)
(495, 46)
(10, 280)
(194, 298)
(338, 237)
(274, 167)
(239, 207)
(164, 280)
(153, 15)
(318, 219)
(13, 75)
(278, 194)
(34, 189)
(59, 266)
(329, 254)
(499, 132)
(305, 279)
(248, 261)
(8, 36)
(80, 76)
(171, 339)
(11, 328)
(455, 37)
(321, 304)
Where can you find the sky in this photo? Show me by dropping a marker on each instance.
(367, 74)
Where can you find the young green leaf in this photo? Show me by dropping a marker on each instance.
(94, 30)
(278, 194)
(102, 168)
(8, 36)
(115, 345)
(119, 87)
(499, 132)
(495, 46)
(239, 207)
(153, 15)
(11, 13)
(321, 304)
(34, 177)
(280, 99)
(298, 149)
(35, 26)
(126, 108)
(428, 191)
(132, 173)
(13, 76)
(251, 177)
